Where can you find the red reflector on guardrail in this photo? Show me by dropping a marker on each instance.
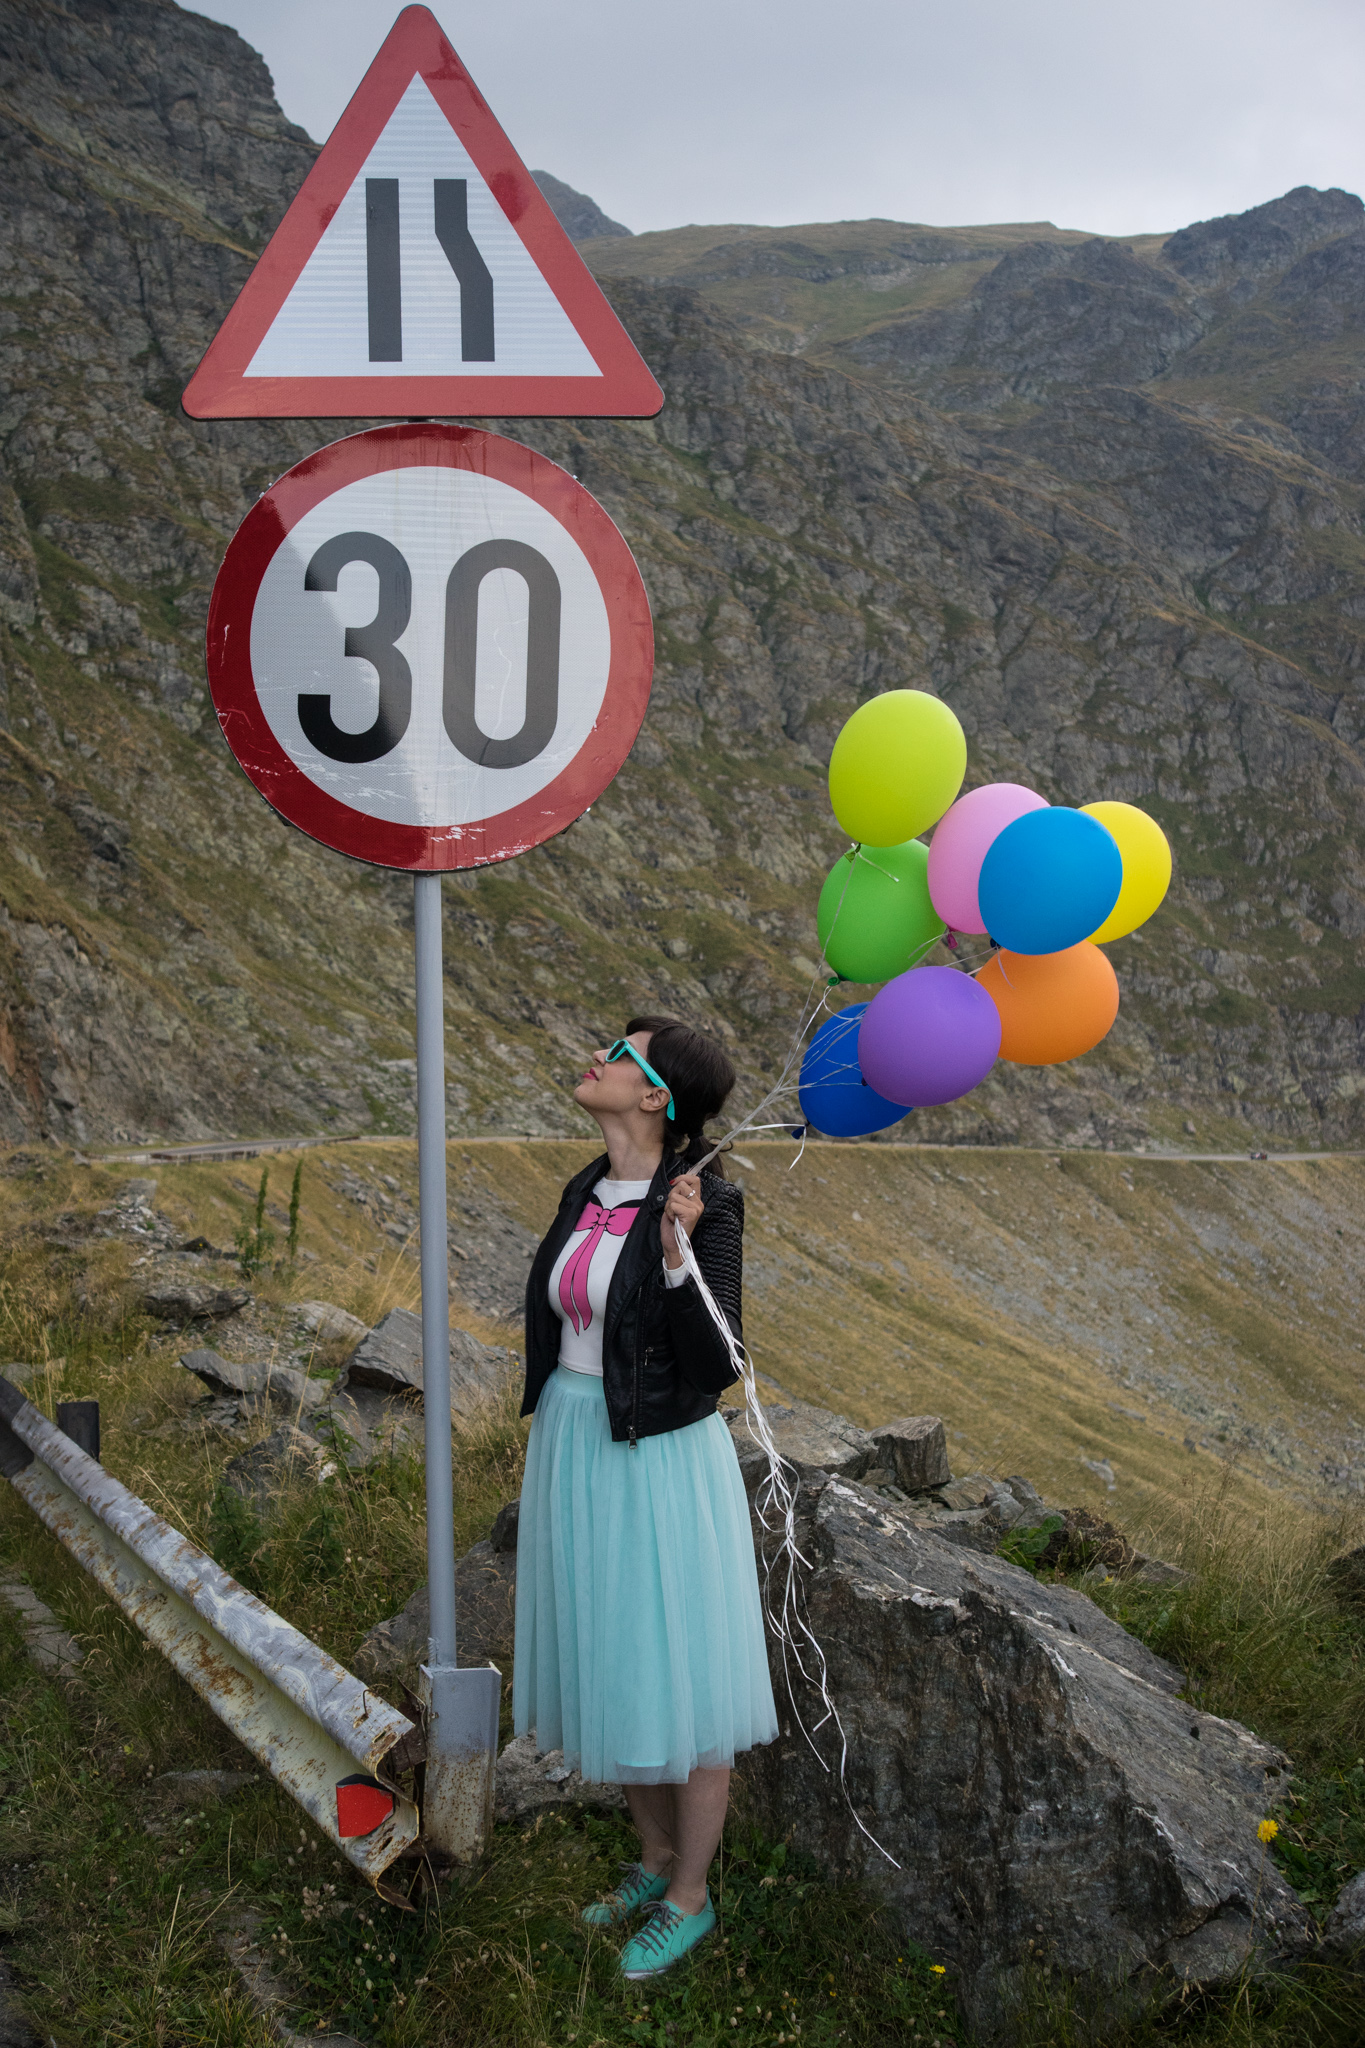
(362, 1804)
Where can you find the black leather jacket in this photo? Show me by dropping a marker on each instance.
(664, 1362)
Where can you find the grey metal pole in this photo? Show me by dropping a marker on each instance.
(431, 1179)
(461, 1706)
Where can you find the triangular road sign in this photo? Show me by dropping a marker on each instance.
(420, 270)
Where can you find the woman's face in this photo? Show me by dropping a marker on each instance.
(615, 1087)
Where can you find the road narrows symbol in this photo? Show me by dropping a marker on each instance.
(420, 269)
(383, 270)
(451, 210)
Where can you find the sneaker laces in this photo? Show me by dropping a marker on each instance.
(664, 1918)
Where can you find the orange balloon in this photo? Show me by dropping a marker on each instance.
(1053, 1006)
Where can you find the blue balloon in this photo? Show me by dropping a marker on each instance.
(834, 1095)
(1049, 880)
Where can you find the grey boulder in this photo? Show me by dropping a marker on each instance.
(1343, 1938)
(506, 1525)
(916, 1451)
(288, 1456)
(47, 1642)
(389, 1360)
(260, 1382)
(808, 1438)
(529, 1784)
(186, 1301)
(485, 1620)
(1047, 1796)
(360, 1426)
(1345, 1573)
(330, 1324)
(911, 1453)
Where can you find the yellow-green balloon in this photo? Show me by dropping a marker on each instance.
(874, 917)
(1146, 867)
(896, 767)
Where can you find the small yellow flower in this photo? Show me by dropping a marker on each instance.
(939, 1969)
(1267, 1830)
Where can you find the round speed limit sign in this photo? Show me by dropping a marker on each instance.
(429, 647)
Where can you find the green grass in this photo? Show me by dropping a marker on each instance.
(116, 1934)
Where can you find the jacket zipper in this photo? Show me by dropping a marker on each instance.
(635, 1407)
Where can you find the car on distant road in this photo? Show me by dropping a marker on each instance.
(1258, 1155)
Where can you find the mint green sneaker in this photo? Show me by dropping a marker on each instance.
(666, 1939)
(637, 1888)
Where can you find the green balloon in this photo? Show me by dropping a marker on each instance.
(875, 918)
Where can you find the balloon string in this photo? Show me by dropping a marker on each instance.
(858, 854)
(856, 851)
(776, 1497)
(810, 1010)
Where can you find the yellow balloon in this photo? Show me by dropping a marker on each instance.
(896, 767)
(1146, 867)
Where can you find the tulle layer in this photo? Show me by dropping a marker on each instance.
(639, 1643)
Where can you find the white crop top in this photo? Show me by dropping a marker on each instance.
(581, 1275)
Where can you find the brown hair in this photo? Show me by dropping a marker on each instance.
(699, 1073)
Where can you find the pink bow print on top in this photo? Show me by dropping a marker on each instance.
(573, 1281)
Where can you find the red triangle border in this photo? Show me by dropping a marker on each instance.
(416, 44)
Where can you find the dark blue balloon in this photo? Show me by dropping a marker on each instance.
(1049, 880)
(834, 1095)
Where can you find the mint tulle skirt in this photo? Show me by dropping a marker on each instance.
(639, 1642)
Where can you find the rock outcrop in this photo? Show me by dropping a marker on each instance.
(287, 1457)
(330, 1324)
(530, 1783)
(485, 1608)
(1023, 1781)
(188, 1301)
(1343, 1938)
(388, 1360)
(581, 218)
(1048, 1799)
(258, 1386)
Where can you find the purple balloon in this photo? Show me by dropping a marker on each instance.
(929, 1037)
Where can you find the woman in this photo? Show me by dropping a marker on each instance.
(639, 1639)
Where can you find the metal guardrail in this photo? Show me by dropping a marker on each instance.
(334, 1745)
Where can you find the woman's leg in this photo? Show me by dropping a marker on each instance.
(651, 1809)
(698, 1818)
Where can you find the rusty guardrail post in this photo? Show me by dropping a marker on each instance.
(334, 1745)
(80, 1420)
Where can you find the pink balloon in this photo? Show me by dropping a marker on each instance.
(961, 841)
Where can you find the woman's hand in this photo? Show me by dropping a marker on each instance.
(682, 1211)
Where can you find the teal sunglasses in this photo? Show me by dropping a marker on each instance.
(624, 1045)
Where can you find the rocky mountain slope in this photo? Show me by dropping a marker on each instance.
(1104, 497)
(580, 217)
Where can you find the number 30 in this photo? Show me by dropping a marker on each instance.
(375, 643)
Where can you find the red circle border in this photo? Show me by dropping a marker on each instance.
(284, 785)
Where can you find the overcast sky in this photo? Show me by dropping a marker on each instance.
(1115, 115)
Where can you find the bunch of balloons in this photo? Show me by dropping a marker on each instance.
(1045, 884)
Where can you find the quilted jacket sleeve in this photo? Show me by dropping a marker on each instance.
(719, 1244)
